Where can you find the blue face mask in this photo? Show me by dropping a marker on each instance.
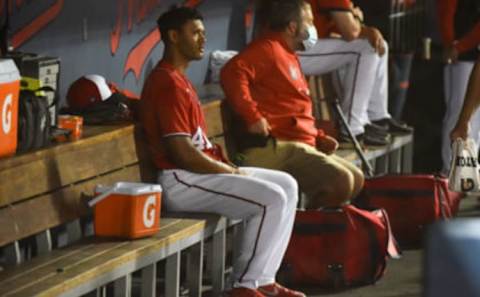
(312, 38)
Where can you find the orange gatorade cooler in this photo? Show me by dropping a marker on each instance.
(127, 210)
(9, 91)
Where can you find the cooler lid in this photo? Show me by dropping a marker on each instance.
(124, 188)
(8, 71)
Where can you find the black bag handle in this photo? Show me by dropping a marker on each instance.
(46, 89)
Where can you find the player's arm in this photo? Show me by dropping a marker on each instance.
(183, 153)
(351, 28)
(470, 105)
(470, 41)
(236, 77)
(446, 14)
(347, 25)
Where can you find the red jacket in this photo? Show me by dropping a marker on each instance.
(265, 80)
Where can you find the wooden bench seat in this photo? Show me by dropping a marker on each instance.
(94, 262)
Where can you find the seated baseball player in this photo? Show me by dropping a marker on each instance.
(195, 175)
(361, 55)
(266, 88)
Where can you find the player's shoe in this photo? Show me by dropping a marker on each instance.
(243, 292)
(277, 290)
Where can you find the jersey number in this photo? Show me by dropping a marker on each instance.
(200, 140)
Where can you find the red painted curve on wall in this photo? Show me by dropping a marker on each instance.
(138, 55)
(116, 33)
(37, 24)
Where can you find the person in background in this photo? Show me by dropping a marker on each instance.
(265, 87)
(460, 30)
(195, 174)
(470, 105)
(359, 56)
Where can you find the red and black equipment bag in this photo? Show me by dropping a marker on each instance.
(338, 248)
(411, 201)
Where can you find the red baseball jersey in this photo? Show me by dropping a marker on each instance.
(265, 80)
(169, 107)
(321, 13)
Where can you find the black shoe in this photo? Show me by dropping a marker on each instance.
(376, 130)
(394, 126)
(374, 139)
(345, 142)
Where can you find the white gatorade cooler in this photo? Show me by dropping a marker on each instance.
(127, 210)
(9, 92)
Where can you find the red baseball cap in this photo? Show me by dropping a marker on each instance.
(87, 90)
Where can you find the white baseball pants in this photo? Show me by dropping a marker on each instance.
(265, 199)
(363, 77)
(456, 78)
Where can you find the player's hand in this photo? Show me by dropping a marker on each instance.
(460, 131)
(327, 144)
(239, 171)
(375, 38)
(450, 54)
(260, 127)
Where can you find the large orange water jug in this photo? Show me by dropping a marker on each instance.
(9, 92)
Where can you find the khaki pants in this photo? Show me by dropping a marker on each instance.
(314, 171)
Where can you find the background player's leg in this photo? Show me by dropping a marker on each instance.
(357, 61)
(455, 80)
(378, 103)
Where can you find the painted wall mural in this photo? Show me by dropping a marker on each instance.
(115, 38)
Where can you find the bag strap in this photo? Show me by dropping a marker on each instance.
(455, 146)
(45, 89)
(393, 248)
(444, 194)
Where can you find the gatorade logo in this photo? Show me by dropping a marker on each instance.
(149, 211)
(7, 114)
(467, 184)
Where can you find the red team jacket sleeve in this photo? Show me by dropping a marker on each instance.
(470, 41)
(333, 5)
(236, 78)
(446, 13)
(173, 111)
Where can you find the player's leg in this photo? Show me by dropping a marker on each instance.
(455, 81)
(289, 185)
(262, 204)
(378, 103)
(357, 61)
(328, 55)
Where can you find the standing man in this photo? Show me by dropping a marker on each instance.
(195, 175)
(266, 88)
(361, 53)
(470, 106)
(460, 30)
